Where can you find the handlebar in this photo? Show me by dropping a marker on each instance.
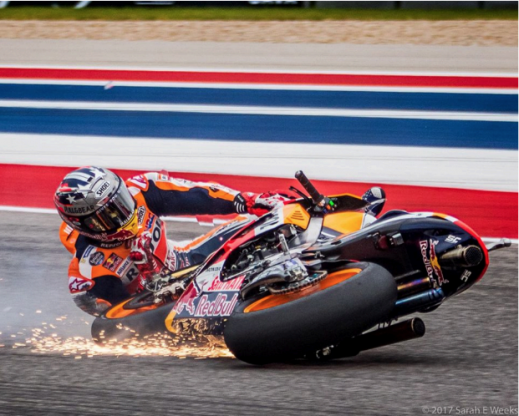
(318, 199)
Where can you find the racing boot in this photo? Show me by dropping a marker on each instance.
(376, 197)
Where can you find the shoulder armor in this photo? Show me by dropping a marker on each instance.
(68, 237)
(138, 183)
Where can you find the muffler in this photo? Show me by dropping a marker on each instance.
(462, 257)
(403, 331)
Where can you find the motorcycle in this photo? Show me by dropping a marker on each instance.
(312, 279)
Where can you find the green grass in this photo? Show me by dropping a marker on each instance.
(237, 13)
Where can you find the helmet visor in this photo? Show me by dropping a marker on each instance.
(114, 214)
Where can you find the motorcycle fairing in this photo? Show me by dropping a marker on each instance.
(407, 243)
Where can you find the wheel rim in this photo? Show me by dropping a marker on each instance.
(271, 301)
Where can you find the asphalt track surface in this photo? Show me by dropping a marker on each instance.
(467, 359)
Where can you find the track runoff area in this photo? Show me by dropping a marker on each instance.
(445, 143)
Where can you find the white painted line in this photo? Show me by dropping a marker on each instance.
(266, 71)
(485, 169)
(273, 87)
(259, 110)
(495, 240)
(27, 210)
(178, 219)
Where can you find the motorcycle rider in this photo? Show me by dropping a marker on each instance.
(118, 241)
(110, 227)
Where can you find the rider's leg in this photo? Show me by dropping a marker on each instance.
(196, 251)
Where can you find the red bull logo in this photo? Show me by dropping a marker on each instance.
(435, 264)
(221, 306)
(112, 262)
(187, 301)
(430, 261)
(207, 305)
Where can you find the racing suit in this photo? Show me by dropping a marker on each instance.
(102, 274)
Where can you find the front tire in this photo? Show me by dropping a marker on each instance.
(266, 330)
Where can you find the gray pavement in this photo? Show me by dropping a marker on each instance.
(258, 56)
(467, 359)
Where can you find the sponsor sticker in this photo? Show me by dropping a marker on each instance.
(124, 266)
(132, 273)
(78, 210)
(187, 301)
(79, 284)
(102, 189)
(206, 306)
(184, 262)
(112, 262)
(465, 275)
(149, 223)
(140, 214)
(87, 253)
(232, 285)
(96, 259)
(430, 261)
(452, 239)
(221, 306)
(171, 260)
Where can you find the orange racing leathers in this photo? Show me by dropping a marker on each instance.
(101, 274)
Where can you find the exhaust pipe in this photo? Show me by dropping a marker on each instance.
(403, 331)
(462, 257)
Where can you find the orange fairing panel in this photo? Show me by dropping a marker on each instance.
(344, 222)
(169, 321)
(277, 300)
(118, 311)
(297, 215)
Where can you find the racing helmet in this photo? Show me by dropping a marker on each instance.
(96, 202)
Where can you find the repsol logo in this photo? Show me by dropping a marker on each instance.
(103, 188)
(156, 235)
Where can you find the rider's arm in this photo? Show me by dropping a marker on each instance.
(165, 195)
(94, 295)
(106, 291)
(91, 291)
(110, 289)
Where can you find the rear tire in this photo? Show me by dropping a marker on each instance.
(291, 330)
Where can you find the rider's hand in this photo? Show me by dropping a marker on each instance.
(258, 204)
(142, 256)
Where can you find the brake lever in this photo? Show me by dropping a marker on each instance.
(300, 193)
